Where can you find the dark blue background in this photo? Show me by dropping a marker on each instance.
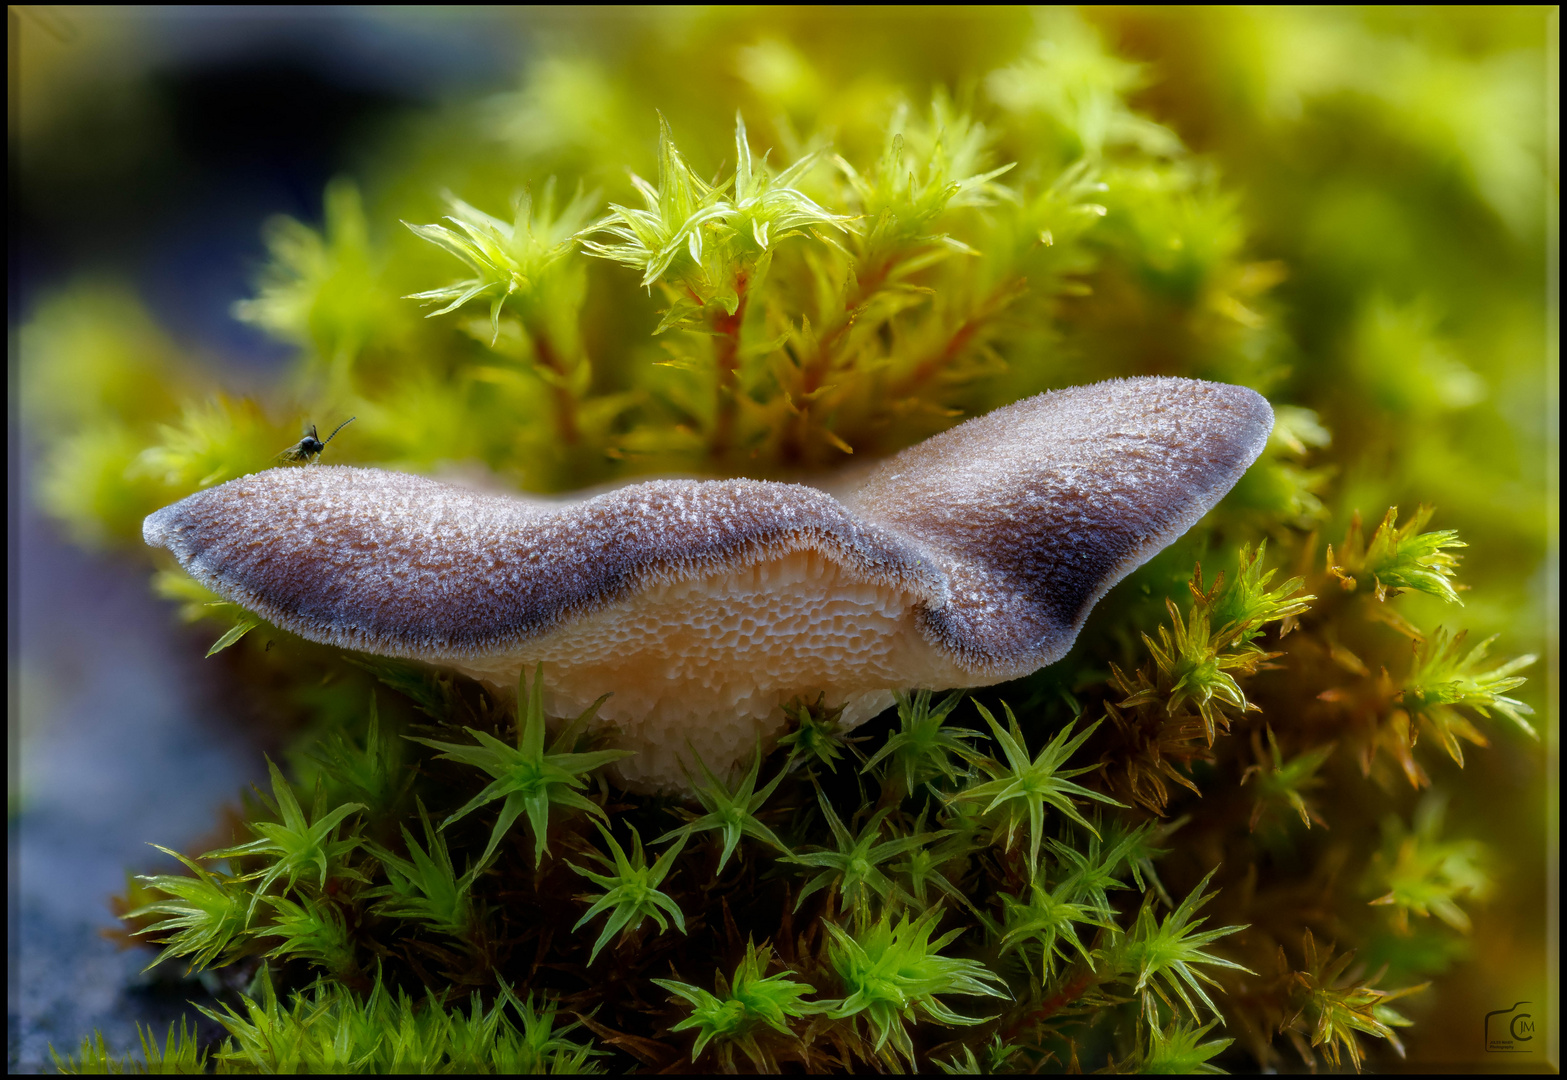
(120, 734)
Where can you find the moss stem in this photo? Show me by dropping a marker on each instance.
(728, 362)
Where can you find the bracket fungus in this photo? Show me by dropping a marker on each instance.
(703, 606)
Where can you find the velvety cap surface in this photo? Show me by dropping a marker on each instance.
(703, 606)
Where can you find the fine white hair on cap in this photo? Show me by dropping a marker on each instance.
(703, 606)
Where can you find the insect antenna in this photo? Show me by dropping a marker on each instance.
(339, 427)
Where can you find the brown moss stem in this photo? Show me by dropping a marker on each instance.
(565, 401)
(727, 357)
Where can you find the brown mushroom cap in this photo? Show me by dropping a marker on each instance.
(971, 558)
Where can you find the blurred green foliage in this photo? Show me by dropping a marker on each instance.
(798, 238)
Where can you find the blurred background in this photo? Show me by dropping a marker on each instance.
(1396, 170)
(147, 149)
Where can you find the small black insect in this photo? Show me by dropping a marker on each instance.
(309, 448)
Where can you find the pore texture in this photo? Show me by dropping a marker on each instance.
(702, 606)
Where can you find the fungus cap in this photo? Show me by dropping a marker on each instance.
(703, 606)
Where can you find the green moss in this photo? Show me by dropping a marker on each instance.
(858, 241)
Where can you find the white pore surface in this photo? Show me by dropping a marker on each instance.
(709, 661)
